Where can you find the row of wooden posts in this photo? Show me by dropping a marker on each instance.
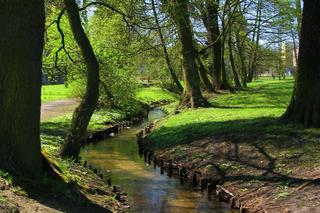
(174, 168)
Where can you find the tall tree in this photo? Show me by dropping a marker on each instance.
(165, 51)
(232, 61)
(21, 44)
(305, 103)
(192, 96)
(255, 40)
(212, 25)
(82, 114)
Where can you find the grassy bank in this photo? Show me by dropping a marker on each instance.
(55, 92)
(266, 163)
(155, 95)
(53, 131)
(261, 105)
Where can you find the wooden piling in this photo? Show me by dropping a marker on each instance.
(195, 180)
(161, 167)
(209, 187)
(170, 171)
(155, 161)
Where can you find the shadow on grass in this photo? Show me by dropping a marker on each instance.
(186, 133)
(57, 128)
(261, 149)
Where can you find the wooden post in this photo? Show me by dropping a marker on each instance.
(181, 174)
(209, 187)
(145, 155)
(161, 167)
(170, 169)
(150, 158)
(194, 180)
(155, 161)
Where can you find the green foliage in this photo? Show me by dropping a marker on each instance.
(112, 45)
(53, 42)
(7, 176)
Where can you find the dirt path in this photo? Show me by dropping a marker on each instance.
(57, 108)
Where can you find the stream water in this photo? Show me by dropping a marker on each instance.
(148, 190)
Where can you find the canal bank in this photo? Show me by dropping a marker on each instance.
(148, 190)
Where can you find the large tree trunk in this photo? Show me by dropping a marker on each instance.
(305, 104)
(212, 8)
(82, 115)
(192, 96)
(204, 76)
(21, 45)
(165, 51)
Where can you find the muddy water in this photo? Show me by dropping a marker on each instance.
(148, 190)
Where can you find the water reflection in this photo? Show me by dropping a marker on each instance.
(148, 191)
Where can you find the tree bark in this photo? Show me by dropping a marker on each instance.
(299, 16)
(242, 60)
(212, 9)
(203, 76)
(21, 44)
(165, 51)
(231, 58)
(256, 40)
(192, 96)
(82, 114)
(305, 103)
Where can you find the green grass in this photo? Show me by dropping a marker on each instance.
(155, 95)
(55, 92)
(256, 109)
(53, 131)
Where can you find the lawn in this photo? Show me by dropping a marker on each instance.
(256, 108)
(155, 95)
(55, 92)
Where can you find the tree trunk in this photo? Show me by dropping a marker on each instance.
(21, 44)
(165, 51)
(224, 70)
(305, 104)
(231, 58)
(212, 8)
(299, 16)
(82, 114)
(203, 75)
(242, 60)
(192, 96)
(256, 40)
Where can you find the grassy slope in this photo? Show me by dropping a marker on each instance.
(154, 95)
(266, 163)
(55, 92)
(259, 106)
